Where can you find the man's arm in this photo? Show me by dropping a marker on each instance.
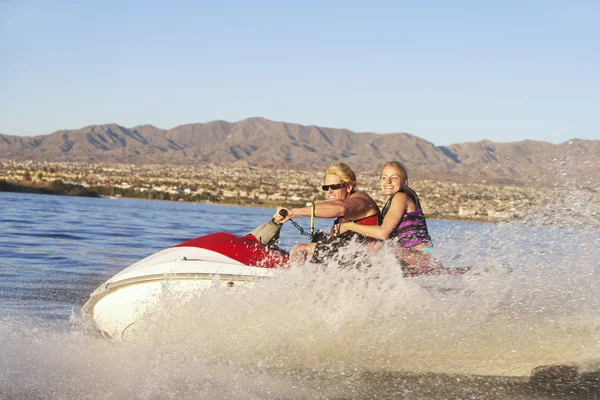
(325, 209)
(355, 207)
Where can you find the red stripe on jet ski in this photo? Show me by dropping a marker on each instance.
(238, 248)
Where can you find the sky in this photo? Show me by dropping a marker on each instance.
(448, 71)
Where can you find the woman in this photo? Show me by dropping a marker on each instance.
(401, 219)
(343, 202)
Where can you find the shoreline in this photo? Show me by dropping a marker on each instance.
(45, 190)
(268, 188)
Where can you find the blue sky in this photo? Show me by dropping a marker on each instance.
(446, 71)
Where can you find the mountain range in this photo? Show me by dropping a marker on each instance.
(266, 143)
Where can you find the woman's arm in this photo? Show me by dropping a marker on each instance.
(390, 221)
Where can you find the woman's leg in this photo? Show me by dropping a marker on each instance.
(418, 262)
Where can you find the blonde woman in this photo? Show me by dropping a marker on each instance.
(402, 220)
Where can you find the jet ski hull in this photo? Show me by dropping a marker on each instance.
(217, 260)
(183, 270)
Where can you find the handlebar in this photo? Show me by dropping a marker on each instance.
(283, 213)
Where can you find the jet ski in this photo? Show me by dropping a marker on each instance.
(215, 260)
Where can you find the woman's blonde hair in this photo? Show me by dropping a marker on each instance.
(343, 172)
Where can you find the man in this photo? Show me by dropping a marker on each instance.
(343, 202)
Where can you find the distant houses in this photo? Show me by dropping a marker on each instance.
(266, 187)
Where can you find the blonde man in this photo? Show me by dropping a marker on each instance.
(343, 202)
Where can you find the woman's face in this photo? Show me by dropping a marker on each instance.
(391, 180)
(335, 189)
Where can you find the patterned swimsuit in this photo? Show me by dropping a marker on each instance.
(412, 229)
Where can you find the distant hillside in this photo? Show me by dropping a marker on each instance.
(266, 143)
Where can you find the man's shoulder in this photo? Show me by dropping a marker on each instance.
(366, 200)
(363, 195)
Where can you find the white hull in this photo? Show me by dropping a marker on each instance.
(116, 305)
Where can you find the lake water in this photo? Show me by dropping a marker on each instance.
(311, 334)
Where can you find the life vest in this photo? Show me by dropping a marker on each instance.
(412, 228)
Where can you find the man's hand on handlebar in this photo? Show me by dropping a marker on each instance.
(281, 215)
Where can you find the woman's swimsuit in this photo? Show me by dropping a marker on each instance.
(412, 228)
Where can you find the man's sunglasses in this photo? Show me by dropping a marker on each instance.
(335, 186)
